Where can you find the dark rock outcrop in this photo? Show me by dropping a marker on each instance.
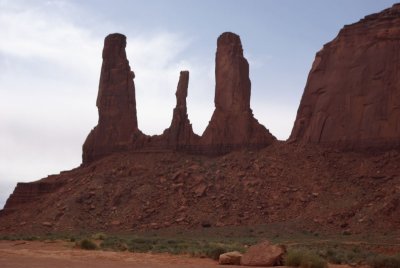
(180, 134)
(352, 96)
(232, 124)
(117, 128)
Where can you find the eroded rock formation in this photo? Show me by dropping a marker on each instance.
(117, 126)
(353, 84)
(180, 134)
(232, 124)
(352, 96)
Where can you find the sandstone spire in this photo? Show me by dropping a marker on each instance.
(233, 124)
(180, 133)
(115, 102)
(352, 96)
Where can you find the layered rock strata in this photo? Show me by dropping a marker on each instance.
(352, 96)
(232, 124)
(29, 193)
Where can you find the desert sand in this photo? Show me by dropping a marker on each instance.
(14, 254)
(60, 254)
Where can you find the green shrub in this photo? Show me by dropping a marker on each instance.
(382, 261)
(313, 261)
(172, 246)
(342, 255)
(141, 245)
(32, 238)
(337, 256)
(99, 236)
(141, 240)
(293, 258)
(87, 244)
(114, 243)
(304, 259)
(214, 252)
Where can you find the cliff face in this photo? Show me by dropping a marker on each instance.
(233, 124)
(27, 193)
(117, 126)
(352, 96)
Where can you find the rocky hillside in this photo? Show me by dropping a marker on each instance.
(307, 187)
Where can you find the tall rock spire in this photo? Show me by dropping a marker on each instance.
(233, 86)
(233, 124)
(180, 134)
(116, 103)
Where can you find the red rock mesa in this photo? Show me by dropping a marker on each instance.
(352, 96)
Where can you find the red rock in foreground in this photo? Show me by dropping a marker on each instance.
(233, 125)
(117, 126)
(263, 254)
(352, 96)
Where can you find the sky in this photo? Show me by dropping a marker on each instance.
(50, 60)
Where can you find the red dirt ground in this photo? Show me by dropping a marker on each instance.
(32, 254)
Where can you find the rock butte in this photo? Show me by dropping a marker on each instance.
(352, 96)
(232, 126)
(351, 101)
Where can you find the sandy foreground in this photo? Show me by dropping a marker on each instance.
(35, 254)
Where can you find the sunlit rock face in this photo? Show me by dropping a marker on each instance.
(352, 96)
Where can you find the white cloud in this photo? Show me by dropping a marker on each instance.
(34, 32)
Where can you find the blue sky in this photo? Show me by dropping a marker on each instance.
(50, 59)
